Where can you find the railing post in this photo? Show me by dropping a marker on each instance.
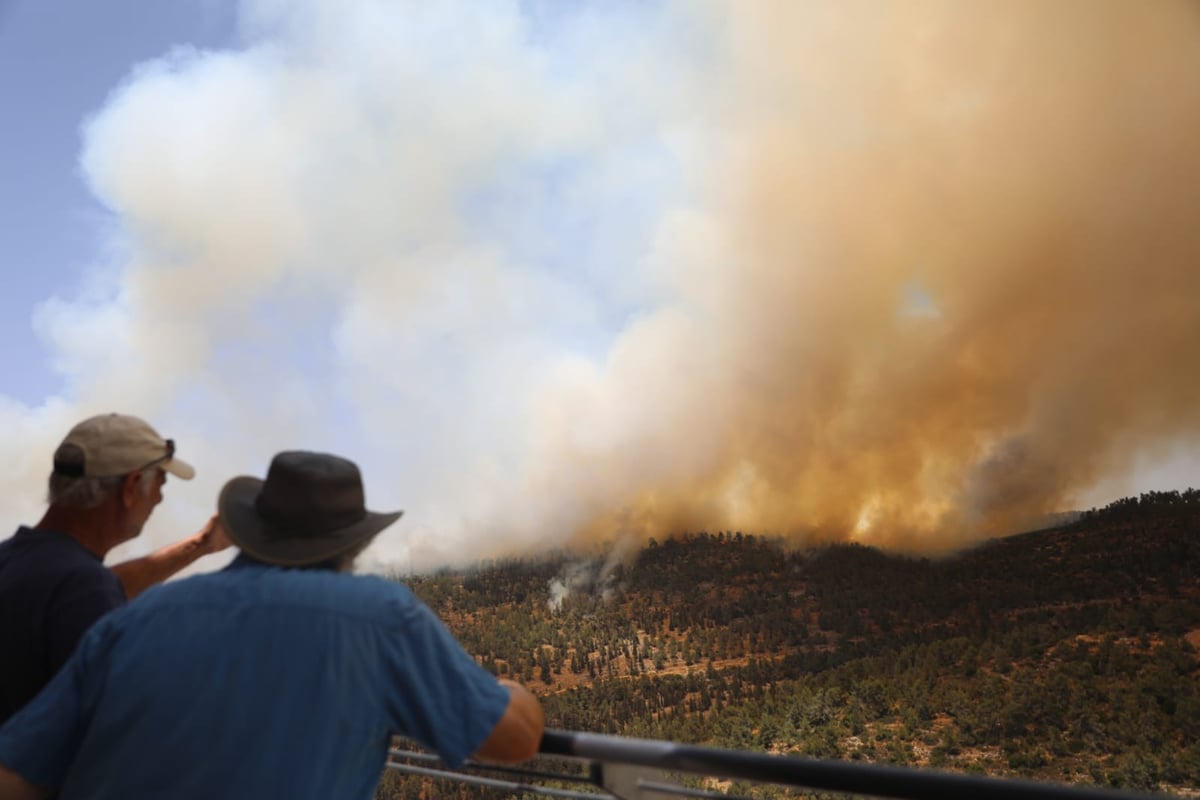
(626, 781)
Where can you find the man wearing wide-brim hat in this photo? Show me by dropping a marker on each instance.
(281, 676)
(107, 478)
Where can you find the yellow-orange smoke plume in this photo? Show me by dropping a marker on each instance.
(946, 278)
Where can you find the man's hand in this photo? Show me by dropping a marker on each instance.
(518, 734)
(212, 538)
(140, 574)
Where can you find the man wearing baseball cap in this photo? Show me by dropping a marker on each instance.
(107, 478)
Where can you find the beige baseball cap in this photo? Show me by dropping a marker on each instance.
(109, 445)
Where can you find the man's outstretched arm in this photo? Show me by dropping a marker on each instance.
(518, 734)
(139, 574)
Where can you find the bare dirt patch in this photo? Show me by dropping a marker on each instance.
(1193, 638)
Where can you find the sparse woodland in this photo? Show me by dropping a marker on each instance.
(1070, 654)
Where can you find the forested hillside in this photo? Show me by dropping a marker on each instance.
(1067, 654)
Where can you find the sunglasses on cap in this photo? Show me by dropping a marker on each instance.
(169, 455)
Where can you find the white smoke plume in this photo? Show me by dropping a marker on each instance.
(909, 272)
(594, 578)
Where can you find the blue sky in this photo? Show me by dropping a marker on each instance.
(550, 267)
(59, 60)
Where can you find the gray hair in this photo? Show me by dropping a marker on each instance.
(82, 494)
(345, 562)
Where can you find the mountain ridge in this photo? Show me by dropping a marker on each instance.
(1066, 654)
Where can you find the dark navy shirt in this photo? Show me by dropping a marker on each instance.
(253, 682)
(52, 589)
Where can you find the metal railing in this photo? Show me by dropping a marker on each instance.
(649, 769)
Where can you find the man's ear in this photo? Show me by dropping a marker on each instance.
(129, 489)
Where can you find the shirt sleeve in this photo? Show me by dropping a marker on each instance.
(40, 740)
(438, 694)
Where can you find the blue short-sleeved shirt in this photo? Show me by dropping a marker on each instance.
(253, 682)
(52, 589)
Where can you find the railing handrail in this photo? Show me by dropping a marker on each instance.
(877, 780)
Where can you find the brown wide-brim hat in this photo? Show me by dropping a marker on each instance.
(310, 509)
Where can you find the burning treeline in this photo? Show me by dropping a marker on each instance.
(945, 277)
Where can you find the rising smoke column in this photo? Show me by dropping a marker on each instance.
(949, 277)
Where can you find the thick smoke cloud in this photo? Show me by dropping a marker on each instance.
(947, 281)
(911, 273)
